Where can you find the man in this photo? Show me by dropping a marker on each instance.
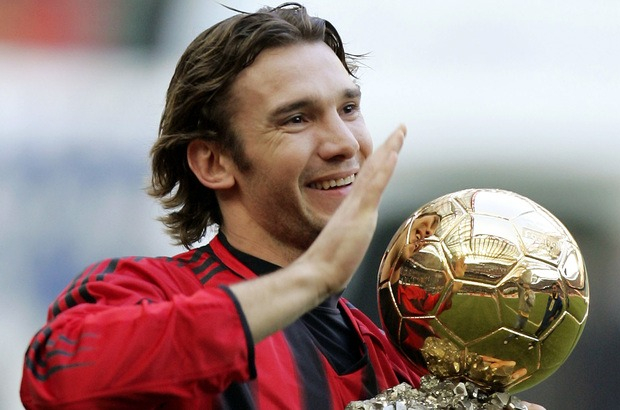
(552, 310)
(262, 135)
(527, 298)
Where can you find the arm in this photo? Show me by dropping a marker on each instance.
(328, 265)
(115, 346)
(133, 343)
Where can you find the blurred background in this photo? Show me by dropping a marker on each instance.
(518, 95)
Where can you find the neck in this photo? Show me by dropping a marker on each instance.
(255, 236)
(264, 247)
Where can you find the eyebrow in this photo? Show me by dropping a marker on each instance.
(348, 93)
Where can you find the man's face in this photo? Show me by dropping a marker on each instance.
(424, 226)
(296, 112)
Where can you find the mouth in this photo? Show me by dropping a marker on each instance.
(333, 183)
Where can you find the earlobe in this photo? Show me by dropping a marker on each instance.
(209, 164)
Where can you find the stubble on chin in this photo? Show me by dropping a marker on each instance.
(296, 239)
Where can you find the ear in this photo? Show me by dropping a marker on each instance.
(210, 165)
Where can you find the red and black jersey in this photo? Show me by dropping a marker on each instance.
(167, 333)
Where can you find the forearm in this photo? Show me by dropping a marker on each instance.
(273, 301)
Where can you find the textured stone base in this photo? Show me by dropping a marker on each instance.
(436, 394)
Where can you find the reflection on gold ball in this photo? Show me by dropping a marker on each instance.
(484, 285)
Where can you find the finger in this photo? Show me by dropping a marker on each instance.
(379, 167)
(344, 240)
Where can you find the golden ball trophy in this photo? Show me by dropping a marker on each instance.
(485, 289)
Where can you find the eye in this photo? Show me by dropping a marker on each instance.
(295, 119)
(349, 108)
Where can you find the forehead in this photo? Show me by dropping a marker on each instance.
(426, 220)
(281, 73)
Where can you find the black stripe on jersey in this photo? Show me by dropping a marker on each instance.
(206, 262)
(210, 266)
(238, 396)
(86, 273)
(43, 376)
(82, 289)
(37, 362)
(217, 269)
(195, 257)
(369, 379)
(313, 382)
(41, 338)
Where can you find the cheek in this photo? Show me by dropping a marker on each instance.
(366, 146)
(363, 137)
(279, 175)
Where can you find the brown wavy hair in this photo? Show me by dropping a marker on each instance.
(197, 106)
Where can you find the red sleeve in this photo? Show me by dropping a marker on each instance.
(415, 300)
(131, 341)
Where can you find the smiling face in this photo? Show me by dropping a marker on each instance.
(423, 227)
(296, 112)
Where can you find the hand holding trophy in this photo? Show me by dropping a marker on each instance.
(488, 291)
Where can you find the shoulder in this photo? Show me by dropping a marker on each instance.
(132, 280)
(147, 267)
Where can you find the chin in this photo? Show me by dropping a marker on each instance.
(322, 219)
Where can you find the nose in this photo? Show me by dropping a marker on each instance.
(423, 232)
(337, 139)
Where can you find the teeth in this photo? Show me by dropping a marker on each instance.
(333, 183)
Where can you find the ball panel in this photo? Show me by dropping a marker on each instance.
(472, 314)
(578, 305)
(572, 267)
(541, 237)
(499, 203)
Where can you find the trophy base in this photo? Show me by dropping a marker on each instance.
(438, 394)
